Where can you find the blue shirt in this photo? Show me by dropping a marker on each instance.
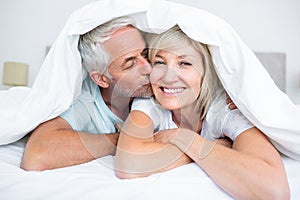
(90, 113)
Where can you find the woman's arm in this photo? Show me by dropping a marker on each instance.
(252, 169)
(139, 155)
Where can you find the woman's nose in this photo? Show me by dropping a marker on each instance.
(169, 74)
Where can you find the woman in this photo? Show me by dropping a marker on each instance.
(190, 106)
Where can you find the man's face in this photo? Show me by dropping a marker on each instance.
(129, 66)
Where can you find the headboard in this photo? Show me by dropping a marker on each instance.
(275, 64)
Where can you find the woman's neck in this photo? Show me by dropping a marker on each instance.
(188, 117)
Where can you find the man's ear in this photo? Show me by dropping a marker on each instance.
(100, 79)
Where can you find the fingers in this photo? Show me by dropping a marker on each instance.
(230, 104)
(165, 136)
(228, 100)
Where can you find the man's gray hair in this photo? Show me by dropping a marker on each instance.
(94, 57)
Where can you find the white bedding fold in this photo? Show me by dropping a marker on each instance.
(243, 76)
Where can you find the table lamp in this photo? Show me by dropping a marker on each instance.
(15, 74)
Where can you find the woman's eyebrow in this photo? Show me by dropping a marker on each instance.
(159, 56)
(186, 55)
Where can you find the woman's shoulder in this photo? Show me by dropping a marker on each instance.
(144, 103)
(221, 121)
(219, 102)
(149, 106)
(160, 117)
(213, 121)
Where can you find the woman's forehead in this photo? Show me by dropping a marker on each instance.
(182, 50)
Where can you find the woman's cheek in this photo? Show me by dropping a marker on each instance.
(154, 76)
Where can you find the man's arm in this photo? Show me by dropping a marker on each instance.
(55, 144)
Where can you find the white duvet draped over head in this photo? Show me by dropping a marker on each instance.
(246, 81)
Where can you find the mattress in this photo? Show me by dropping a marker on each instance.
(97, 180)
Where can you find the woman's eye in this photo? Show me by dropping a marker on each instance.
(185, 64)
(158, 63)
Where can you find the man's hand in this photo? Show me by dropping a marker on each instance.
(230, 104)
(113, 137)
(227, 142)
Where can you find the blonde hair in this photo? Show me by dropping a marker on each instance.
(210, 82)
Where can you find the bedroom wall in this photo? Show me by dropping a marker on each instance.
(28, 26)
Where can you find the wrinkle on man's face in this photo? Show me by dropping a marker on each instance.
(122, 42)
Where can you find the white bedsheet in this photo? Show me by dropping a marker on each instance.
(96, 180)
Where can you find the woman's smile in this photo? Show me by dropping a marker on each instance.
(171, 91)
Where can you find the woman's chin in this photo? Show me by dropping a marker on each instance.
(170, 106)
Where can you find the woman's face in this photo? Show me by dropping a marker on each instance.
(176, 76)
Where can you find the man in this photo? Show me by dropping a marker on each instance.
(115, 57)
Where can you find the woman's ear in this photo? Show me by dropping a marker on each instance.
(100, 79)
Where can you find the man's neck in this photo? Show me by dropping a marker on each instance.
(120, 106)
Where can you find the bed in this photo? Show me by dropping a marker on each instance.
(96, 179)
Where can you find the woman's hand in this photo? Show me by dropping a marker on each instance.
(165, 136)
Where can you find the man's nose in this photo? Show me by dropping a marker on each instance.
(146, 66)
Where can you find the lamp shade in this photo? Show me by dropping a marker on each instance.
(15, 73)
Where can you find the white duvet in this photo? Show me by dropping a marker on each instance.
(243, 76)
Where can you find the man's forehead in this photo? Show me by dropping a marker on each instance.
(124, 41)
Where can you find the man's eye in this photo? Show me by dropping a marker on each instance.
(130, 63)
